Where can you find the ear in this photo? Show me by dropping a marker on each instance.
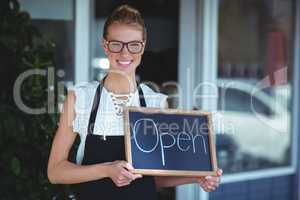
(144, 47)
(104, 46)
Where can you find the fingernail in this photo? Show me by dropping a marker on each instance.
(208, 177)
(138, 176)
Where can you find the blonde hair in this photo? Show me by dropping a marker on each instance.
(125, 14)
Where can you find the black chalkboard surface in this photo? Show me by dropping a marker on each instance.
(169, 142)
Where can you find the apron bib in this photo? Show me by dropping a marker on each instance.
(98, 150)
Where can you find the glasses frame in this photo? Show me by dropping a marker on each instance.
(107, 42)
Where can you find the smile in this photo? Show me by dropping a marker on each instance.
(124, 63)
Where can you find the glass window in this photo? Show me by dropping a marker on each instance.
(255, 70)
(64, 43)
(236, 100)
(55, 22)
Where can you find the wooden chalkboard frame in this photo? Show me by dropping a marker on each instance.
(160, 172)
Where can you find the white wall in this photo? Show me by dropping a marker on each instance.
(48, 9)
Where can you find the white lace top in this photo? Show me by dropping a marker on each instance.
(108, 122)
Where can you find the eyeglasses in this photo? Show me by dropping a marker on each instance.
(133, 47)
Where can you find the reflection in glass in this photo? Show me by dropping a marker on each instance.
(254, 70)
(64, 43)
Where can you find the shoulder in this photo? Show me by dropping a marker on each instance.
(153, 98)
(83, 93)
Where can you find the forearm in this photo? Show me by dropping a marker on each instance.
(67, 172)
(162, 181)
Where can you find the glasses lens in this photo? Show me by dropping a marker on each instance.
(135, 47)
(115, 46)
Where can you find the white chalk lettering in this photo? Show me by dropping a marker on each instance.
(163, 146)
(161, 138)
(184, 139)
(135, 132)
(203, 140)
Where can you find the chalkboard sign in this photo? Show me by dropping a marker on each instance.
(169, 142)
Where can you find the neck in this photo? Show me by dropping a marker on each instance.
(120, 83)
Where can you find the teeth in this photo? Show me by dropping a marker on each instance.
(124, 62)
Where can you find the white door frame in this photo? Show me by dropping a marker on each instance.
(197, 64)
(83, 18)
(296, 101)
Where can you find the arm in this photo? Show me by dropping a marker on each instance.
(62, 171)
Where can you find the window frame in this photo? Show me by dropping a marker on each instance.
(204, 16)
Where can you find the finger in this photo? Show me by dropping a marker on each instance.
(125, 165)
(137, 176)
(128, 174)
(212, 178)
(123, 184)
(122, 163)
(219, 172)
(129, 166)
(211, 188)
(122, 179)
(206, 189)
(213, 184)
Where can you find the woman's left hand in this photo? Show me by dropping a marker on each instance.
(210, 183)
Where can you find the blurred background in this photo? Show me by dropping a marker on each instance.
(236, 58)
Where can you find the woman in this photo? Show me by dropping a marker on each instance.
(94, 111)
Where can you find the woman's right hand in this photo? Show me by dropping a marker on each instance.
(118, 172)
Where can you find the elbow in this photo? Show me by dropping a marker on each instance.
(51, 176)
(158, 183)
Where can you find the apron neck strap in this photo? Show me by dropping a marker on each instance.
(141, 96)
(95, 106)
(96, 103)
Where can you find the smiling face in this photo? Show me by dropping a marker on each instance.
(123, 61)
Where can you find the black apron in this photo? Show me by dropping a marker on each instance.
(98, 150)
